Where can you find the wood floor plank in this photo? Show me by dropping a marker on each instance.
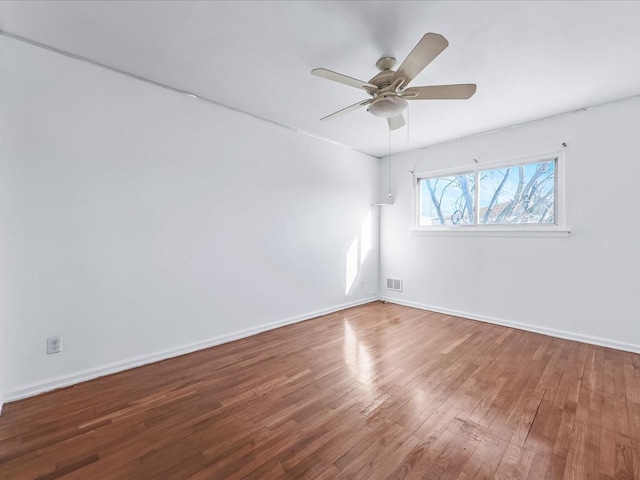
(374, 392)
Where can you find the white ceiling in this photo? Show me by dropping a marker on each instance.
(529, 59)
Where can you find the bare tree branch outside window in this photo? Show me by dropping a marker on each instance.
(512, 195)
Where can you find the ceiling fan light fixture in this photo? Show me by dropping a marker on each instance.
(387, 106)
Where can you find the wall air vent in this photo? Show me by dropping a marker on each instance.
(394, 284)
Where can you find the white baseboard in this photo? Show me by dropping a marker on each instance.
(577, 337)
(35, 388)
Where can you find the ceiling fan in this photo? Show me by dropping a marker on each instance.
(388, 89)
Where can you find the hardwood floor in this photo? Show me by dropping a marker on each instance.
(374, 392)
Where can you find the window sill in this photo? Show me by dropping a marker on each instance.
(492, 231)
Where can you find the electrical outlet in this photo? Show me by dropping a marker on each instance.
(54, 345)
(362, 285)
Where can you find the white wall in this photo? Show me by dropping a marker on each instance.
(584, 286)
(135, 221)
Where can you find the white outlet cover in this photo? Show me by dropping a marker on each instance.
(54, 344)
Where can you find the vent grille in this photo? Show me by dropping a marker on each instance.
(394, 284)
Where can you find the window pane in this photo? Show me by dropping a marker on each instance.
(447, 200)
(520, 194)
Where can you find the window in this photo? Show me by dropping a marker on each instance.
(523, 195)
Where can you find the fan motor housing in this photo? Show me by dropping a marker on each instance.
(383, 79)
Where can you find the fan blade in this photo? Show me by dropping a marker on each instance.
(350, 108)
(428, 48)
(338, 77)
(396, 122)
(440, 92)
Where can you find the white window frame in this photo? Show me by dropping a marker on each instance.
(557, 229)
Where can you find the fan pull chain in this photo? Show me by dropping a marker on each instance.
(389, 162)
(408, 108)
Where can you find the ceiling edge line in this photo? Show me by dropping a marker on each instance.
(175, 90)
(516, 125)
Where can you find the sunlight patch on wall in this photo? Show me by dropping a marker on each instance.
(366, 238)
(352, 265)
(357, 254)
